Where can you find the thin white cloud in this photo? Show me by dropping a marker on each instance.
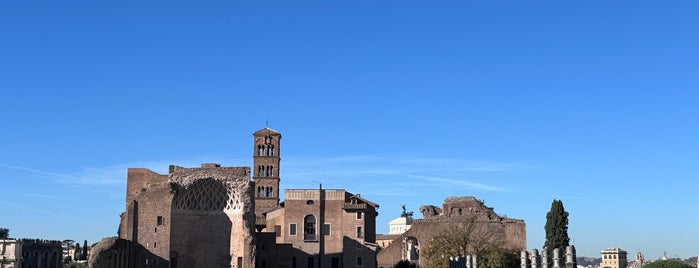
(459, 182)
(43, 212)
(343, 171)
(36, 171)
(413, 171)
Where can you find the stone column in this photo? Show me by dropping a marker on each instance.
(468, 261)
(545, 259)
(556, 258)
(535, 259)
(524, 259)
(571, 261)
(475, 261)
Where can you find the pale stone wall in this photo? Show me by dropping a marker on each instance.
(10, 253)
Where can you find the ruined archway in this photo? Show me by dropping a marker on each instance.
(212, 219)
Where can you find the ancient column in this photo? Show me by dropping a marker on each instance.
(535, 259)
(571, 261)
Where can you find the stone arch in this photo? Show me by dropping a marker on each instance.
(410, 249)
(45, 259)
(36, 258)
(54, 260)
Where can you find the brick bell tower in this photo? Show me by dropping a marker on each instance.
(266, 169)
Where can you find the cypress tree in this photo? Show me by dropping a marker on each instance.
(77, 252)
(84, 252)
(557, 227)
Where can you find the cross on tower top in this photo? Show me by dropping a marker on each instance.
(267, 123)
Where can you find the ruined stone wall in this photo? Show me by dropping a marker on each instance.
(147, 218)
(453, 210)
(39, 253)
(213, 216)
(113, 252)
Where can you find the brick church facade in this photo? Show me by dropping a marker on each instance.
(214, 216)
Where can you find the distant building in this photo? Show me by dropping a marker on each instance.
(399, 225)
(10, 253)
(614, 258)
(396, 227)
(39, 253)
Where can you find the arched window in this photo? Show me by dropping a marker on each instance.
(261, 150)
(309, 228)
(270, 150)
(270, 193)
(271, 171)
(260, 191)
(259, 171)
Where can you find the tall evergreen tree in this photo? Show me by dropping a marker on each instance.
(78, 251)
(557, 227)
(84, 253)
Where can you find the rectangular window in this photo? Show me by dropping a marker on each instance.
(278, 230)
(359, 232)
(160, 220)
(292, 229)
(326, 229)
(359, 215)
(360, 261)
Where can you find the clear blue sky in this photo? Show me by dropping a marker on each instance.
(406, 102)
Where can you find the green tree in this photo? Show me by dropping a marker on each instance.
(83, 254)
(466, 236)
(4, 233)
(499, 257)
(667, 264)
(78, 251)
(67, 244)
(557, 227)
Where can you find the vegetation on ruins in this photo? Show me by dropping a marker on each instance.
(466, 236)
(667, 264)
(4, 233)
(557, 227)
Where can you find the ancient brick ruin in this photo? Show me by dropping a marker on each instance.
(192, 217)
(407, 245)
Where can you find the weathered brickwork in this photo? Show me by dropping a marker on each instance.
(113, 252)
(192, 217)
(407, 245)
(214, 216)
(333, 227)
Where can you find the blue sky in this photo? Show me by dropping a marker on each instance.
(514, 102)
